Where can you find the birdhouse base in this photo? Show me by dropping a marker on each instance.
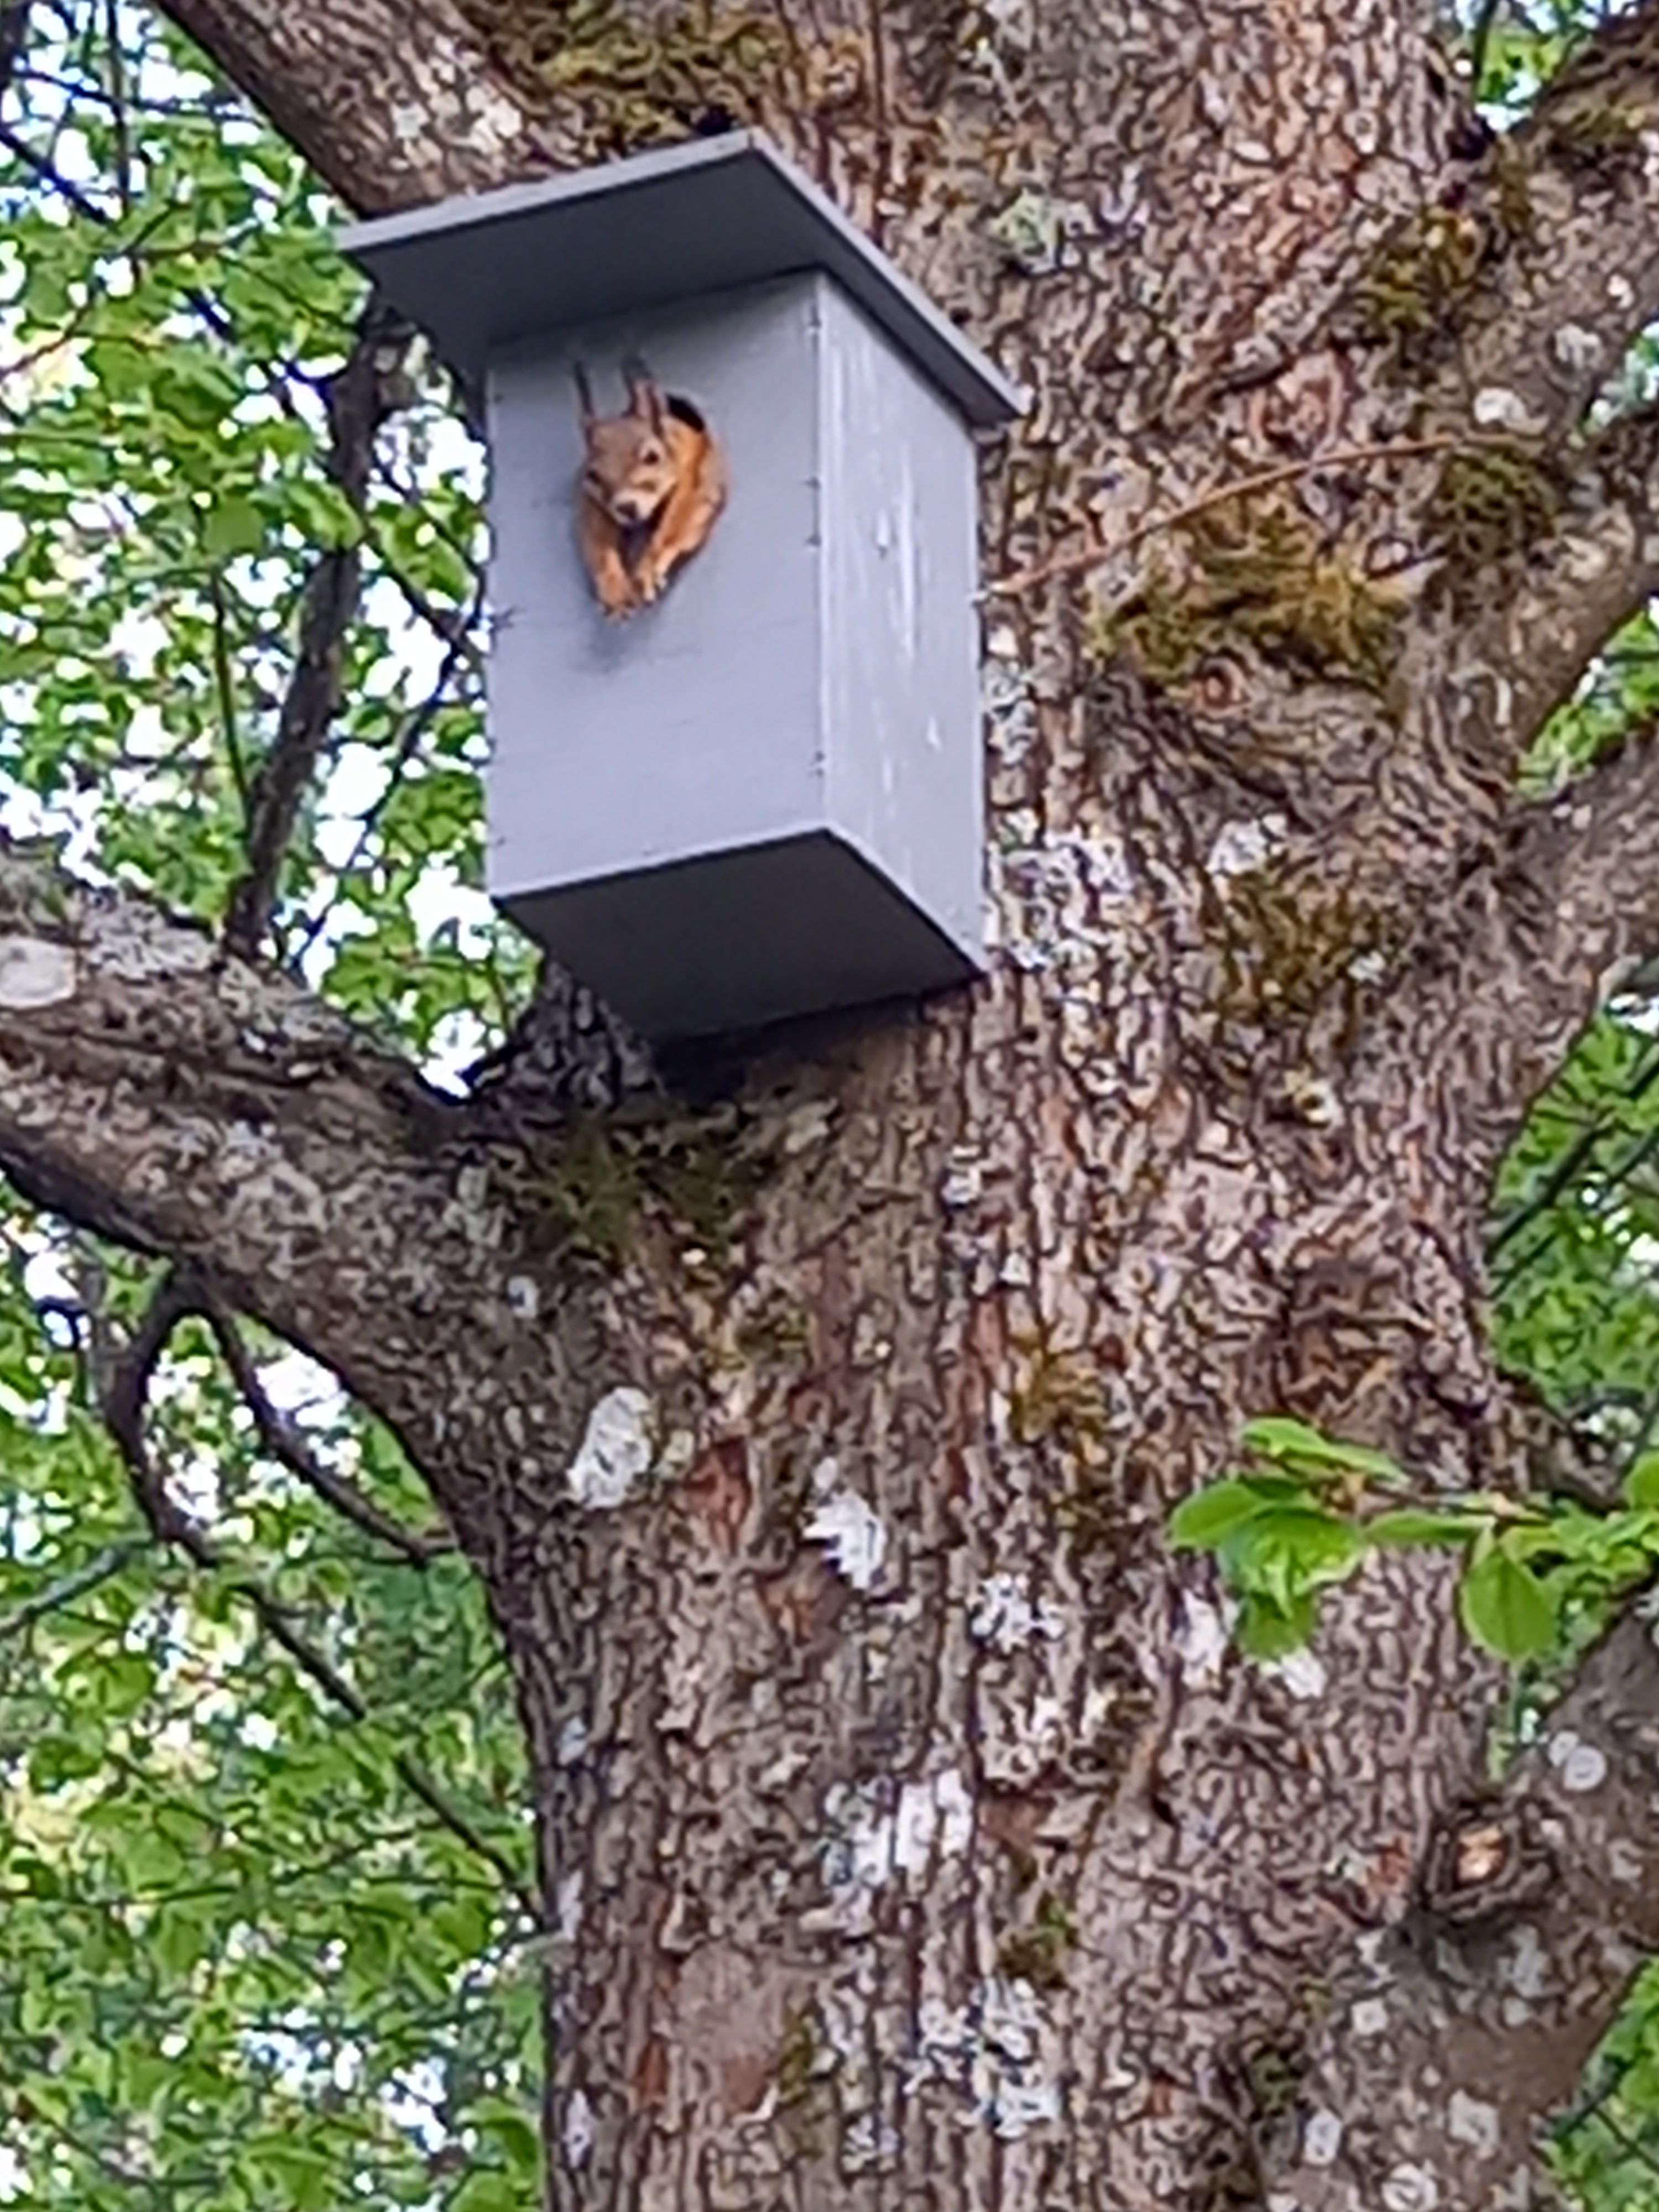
(733, 940)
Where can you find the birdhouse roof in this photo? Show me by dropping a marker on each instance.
(485, 269)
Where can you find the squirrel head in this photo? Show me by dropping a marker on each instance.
(628, 464)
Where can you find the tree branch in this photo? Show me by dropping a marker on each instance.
(198, 1106)
(1453, 2035)
(1582, 890)
(368, 390)
(13, 40)
(1578, 277)
(1574, 590)
(126, 1398)
(1578, 1162)
(285, 1444)
(67, 1588)
(397, 59)
(415, 725)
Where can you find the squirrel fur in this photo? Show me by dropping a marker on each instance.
(653, 482)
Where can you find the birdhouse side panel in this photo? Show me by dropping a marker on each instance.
(901, 571)
(695, 725)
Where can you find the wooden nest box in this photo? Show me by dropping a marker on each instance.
(761, 795)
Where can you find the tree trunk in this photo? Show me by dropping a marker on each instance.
(909, 1833)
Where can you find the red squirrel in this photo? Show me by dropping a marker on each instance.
(653, 482)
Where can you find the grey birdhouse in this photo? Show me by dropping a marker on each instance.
(760, 795)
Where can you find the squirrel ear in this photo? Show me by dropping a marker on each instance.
(644, 399)
(584, 391)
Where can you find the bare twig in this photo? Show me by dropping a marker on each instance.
(414, 727)
(1577, 1156)
(283, 1441)
(49, 175)
(117, 86)
(448, 623)
(1619, 1171)
(13, 40)
(1339, 457)
(360, 398)
(67, 1588)
(1626, 2141)
(224, 685)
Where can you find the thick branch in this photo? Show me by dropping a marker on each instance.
(1581, 276)
(1456, 2035)
(196, 1105)
(1600, 565)
(394, 101)
(1583, 890)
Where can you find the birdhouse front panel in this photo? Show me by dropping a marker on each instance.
(694, 724)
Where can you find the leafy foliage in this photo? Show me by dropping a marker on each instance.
(1306, 1511)
(263, 1949)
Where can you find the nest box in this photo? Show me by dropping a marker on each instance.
(760, 796)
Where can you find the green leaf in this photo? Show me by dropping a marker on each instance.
(1268, 1630)
(152, 1862)
(514, 2133)
(234, 526)
(122, 1683)
(1413, 1525)
(463, 1924)
(182, 1937)
(1641, 1483)
(490, 2191)
(1201, 1522)
(1279, 1436)
(1505, 1607)
(299, 2170)
(1286, 1551)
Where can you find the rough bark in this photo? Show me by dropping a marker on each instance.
(908, 1832)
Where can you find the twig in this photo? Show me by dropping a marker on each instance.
(1339, 457)
(95, 300)
(1626, 2141)
(64, 1591)
(13, 40)
(161, 2189)
(282, 1440)
(1577, 1156)
(445, 623)
(224, 683)
(50, 175)
(1641, 1150)
(360, 398)
(178, 1297)
(117, 86)
(414, 728)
